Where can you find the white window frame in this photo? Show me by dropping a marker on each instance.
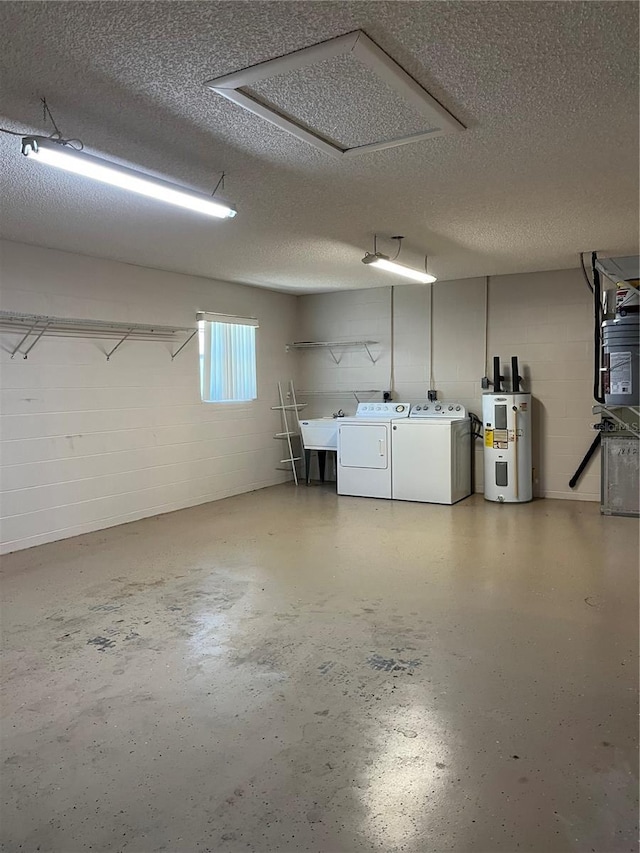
(205, 320)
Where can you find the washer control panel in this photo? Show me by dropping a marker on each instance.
(438, 409)
(385, 411)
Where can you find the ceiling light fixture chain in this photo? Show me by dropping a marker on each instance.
(219, 184)
(55, 136)
(47, 114)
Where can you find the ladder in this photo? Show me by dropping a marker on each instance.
(286, 410)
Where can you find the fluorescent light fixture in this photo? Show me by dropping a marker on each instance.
(65, 157)
(382, 262)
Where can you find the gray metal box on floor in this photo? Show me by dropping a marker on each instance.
(620, 494)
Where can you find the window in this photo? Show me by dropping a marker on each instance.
(227, 358)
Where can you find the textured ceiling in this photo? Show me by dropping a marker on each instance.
(344, 101)
(547, 167)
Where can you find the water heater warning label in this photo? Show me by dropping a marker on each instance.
(500, 439)
(488, 437)
(620, 372)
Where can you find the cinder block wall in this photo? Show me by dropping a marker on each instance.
(544, 318)
(87, 444)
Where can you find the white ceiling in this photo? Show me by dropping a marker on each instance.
(547, 167)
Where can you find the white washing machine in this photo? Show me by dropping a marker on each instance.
(432, 454)
(364, 449)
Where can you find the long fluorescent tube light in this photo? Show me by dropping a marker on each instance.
(53, 153)
(382, 262)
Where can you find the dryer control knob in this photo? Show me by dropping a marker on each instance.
(450, 408)
(438, 408)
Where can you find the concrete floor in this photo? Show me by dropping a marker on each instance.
(292, 671)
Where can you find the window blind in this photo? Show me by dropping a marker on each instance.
(227, 358)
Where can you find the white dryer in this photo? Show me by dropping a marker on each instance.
(365, 450)
(432, 454)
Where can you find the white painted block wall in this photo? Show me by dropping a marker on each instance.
(87, 444)
(544, 318)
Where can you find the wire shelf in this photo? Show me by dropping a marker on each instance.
(334, 345)
(33, 327)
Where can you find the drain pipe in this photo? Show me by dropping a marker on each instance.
(573, 482)
(597, 331)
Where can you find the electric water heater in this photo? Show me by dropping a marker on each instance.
(507, 440)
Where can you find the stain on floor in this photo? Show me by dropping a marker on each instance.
(231, 694)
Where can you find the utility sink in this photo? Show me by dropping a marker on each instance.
(319, 433)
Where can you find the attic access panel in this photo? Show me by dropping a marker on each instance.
(272, 91)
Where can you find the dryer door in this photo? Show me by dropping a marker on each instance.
(363, 445)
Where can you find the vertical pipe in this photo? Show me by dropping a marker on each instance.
(485, 354)
(431, 379)
(515, 377)
(497, 387)
(515, 445)
(597, 332)
(392, 342)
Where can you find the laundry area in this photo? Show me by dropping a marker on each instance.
(319, 427)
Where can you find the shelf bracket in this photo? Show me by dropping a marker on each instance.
(180, 348)
(38, 336)
(22, 340)
(366, 346)
(121, 341)
(609, 413)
